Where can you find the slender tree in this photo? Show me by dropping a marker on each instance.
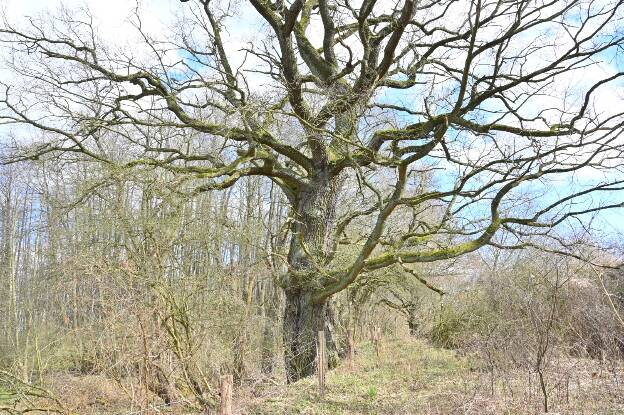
(343, 105)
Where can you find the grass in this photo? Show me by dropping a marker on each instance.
(406, 377)
(6, 396)
(409, 377)
(413, 377)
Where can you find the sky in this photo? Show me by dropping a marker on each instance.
(111, 15)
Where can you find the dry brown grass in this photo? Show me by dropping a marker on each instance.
(412, 377)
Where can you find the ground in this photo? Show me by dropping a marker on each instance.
(412, 377)
(408, 376)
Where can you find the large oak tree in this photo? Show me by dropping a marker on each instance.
(409, 131)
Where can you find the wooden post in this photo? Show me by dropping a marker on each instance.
(350, 347)
(321, 363)
(376, 340)
(225, 406)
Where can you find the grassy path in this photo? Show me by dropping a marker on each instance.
(409, 377)
(412, 377)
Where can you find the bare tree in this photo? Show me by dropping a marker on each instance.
(345, 125)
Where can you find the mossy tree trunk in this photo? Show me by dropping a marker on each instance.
(311, 248)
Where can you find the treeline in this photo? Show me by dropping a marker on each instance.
(119, 275)
(127, 278)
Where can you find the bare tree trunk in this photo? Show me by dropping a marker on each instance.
(269, 307)
(412, 322)
(310, 248)
(225, 406)
(350, 346)
(302, 320)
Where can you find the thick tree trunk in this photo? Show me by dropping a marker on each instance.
(302, 321)
(310, 249)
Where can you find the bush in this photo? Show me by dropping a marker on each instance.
(457, 318)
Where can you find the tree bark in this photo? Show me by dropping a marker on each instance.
(270, 307)
(412, 322)
(310, 249)
(302, 320)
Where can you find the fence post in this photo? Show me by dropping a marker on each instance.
(350, 348)
(321, 363)
(377, 340)
(225, 406)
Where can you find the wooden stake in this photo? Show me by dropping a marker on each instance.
(225, 407)
(350, 347)
(377, 340)
(321, 363)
